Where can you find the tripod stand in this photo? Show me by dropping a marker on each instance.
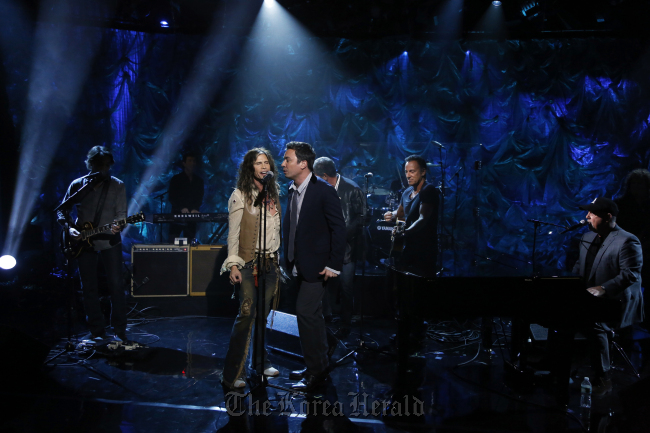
(362, 344)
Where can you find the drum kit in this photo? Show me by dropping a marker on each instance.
(379, 231)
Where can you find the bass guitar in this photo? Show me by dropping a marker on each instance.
(73, 247)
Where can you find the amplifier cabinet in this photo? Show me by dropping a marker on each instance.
(160, 270)
(205, 265)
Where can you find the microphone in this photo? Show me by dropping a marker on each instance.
(93, 175)
(269, 176)
(437, 144)
(368, 175)
(458, 171)
(582, 223)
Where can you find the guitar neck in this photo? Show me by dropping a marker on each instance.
(85, 234)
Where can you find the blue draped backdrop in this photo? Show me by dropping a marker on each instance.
(554, 123)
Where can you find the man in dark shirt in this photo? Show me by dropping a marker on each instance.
(353, 205)
(103, 203)
(419, 209)
(185, 196)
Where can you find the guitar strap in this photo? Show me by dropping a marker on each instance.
(100, 203)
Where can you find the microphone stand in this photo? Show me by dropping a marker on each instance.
(453, 224)
(259, 332)
(442, 209)
(537, 225)
(160, 196)
(362, 343)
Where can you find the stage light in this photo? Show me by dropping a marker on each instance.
(496, 3)
(405, 53)
(7, 262)
(529, 9)
(164, 23)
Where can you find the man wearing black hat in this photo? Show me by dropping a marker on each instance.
(610, 266)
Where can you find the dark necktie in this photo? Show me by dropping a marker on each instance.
(293, 222)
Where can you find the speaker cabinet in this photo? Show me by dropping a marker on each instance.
(160, 270)
(205, 265)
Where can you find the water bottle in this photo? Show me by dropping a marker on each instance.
(585, 393)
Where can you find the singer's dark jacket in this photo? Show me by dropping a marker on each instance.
(617, 268)
(320, 234)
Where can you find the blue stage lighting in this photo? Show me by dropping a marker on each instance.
(406, 53)
(530, 9)
(496, 3)
(7, 262)
(164, 23)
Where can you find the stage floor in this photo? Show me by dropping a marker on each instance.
(173, 385)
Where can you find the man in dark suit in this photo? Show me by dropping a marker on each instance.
(353, 205)
(610, 266)
(314, 230)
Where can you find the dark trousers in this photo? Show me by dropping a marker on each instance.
(598, 339)
(188, 230)
(112, 261)
(598, 336)
(311, 325)
(344, 283)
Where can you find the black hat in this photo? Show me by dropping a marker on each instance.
(601, 204)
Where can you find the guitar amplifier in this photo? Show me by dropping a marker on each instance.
(160, 270)
(205, 265)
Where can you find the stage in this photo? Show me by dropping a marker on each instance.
(173, 384)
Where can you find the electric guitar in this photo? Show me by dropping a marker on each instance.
(73, 247)
(397, 237)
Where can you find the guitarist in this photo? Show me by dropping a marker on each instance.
(103, 201)
(419, 208)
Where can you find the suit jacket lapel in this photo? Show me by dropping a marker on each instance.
(610, 238)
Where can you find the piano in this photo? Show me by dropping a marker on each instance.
(559, 303)
(203, 217)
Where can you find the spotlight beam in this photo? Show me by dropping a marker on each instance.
(60, 64)
(204, 82)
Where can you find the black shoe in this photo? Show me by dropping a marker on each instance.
(120, 337)
(310, 381)
(298, 374)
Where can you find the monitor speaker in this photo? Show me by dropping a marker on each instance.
(283, 336)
